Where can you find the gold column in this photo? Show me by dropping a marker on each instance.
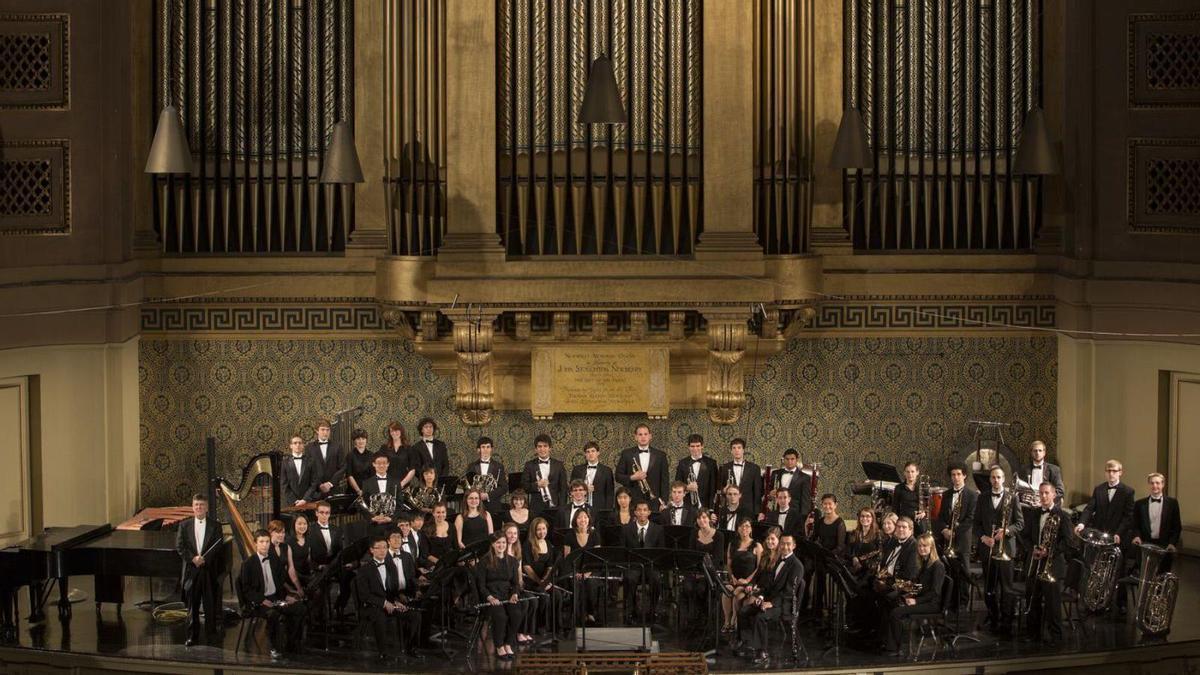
(828, 233)
(474, 396)
(728, 132)
(471, 133)
(726, 382)
(370, 208)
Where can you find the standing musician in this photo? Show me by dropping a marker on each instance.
(931, 574)
(954, 525)
(1039, 470)
(429, 451)
(1157, 520)
(198, 537)
(375, 583)
(544, 480)
(1111, 507)
(261, 587)
(403, 592)
(905, 499)
(774, 598)
(744, 474)
(379, 484)
(698, 472)
(787, 518)
(579, 494)
(330, 457)
(487, 466)
(298, 477)
(497, 581)
(1046, 538)
(998, 520)
(735, 510)
(597, 477)
(678, 511)
(641, 533)
(396, 447)
(643, 470)
(792, 479)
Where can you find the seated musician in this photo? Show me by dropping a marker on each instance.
(487, 465)
(929, 576)
(622, 513)
(583, 536)
(298, 475)
(474, 523)
(579, 495)
(1047, 537)
(197, 537)
(497, 582)
(887, 526)
(544, 479)
(954, 525)
(991, 513)
(784, 516)
(405, 592)
(280, 549)
(376, 584)
(423, 492)
(743, 563)
(325, 544)
(597, 477)
(299, 547)
(518, 509)
(677, 511)
(899, 556)
(516, 551)
(709, 540)
(412, 541)
(381, 494)
(774, 597)
(641, 533)
(864, 543)
(905, 500)
(698, 472)
(261, 587)
(734, 510)
(439, 533)
(538, 558)
(1156, 520)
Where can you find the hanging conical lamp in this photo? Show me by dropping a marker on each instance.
(169, 153)
(341, 158)
(851, 149)
(601, 100)
(1036, 155)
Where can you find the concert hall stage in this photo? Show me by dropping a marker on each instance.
(98, 642)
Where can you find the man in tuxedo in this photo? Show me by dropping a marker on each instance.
(403, 593)
(954, 532)
(647, 465)
(544, 479)
(678, 511)
(597, 477)
(330, 459)
(577, 503)
(699, 473)
(1045, 597)
(790, 477)
(198, 541)
(412, 541)
(990, 512)
(1111, 507)
(380, 484)
(376, 584)
(486, 465)
(325, 543)
(734, 511)
(746, 475)
(261, 590)
(899, 554)
(1157, 520)
(776, 595)
(788, 518)
(641, 533)
(1039, 470)
(429, 451)
(298, 478)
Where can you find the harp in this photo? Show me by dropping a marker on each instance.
(253, 500)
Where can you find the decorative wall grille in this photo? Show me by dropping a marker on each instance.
(25, 61)
(570, 188)
(943, 86)
(259, 85)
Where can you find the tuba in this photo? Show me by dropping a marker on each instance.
(1102, 559)
(1156, 592)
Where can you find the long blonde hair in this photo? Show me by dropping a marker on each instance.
(927, 538)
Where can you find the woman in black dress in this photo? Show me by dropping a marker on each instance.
(829, 532)
(474, 523)
(743, 557)
(584, 537)
(905, 500)
(395, 446)
(280, 549)
(930, 574)
(707, 539)
(537, 560)
(863, 544)
(299, 549)
(623, 513)
(518, 509)
(359, 462)
(440, 534)
(497, 581)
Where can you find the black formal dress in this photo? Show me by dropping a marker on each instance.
(1045, 597)
(1169, 525)
(705, 470)
(361, 466)
(832, 538)
(262, 578)
(601, 498)
(201, 585)
(657, 475)
(778, 586)
(591, 588)
(331, 464)
(540, 564)
(748, 477)
(499, 579)
(399, 463)
(905, 502)
(696, 589)
(474, 528)
(998, 591)
(743, 562)
(930, 576)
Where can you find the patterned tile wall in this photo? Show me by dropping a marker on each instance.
(841, 399)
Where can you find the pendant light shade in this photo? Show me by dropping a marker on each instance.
(601, 100)
(169, 153)
(341, 158)
(851, 149)
(1036, 155)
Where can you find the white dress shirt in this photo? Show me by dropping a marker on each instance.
(324, 530)
(1035, 476)
(201, 525)
(268, 580)
(1155, 510)
(324, 447)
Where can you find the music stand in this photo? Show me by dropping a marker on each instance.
(610, 535)
(837, 577)
(604, 560)
(881, 472)
(678, 536)
(983, 482)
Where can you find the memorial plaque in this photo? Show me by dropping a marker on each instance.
(600, 379)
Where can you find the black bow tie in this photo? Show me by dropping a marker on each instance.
(997, 494)
(323, 527)
(1037, 466)
(263, 561)
(783, 513)
(543, 461)
(592, 466)
(954, 492)
(484, 462)
(322, 442)
(789, 471)
(380, 564)
(297, 457)
(1156, 500)
(1046, 510)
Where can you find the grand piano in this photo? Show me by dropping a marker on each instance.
(108, 554)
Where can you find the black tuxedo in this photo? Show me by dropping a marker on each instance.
(1050, 473)
(1115, 516)
(751, 485)
(654, 535)
(557, 487)
(282, 622)
(1045, 598)
(332, 467)
(419, 457)
(419, 549)
(603, 495)
(906, 558)
(322, 554)
(963, 537)
(655, 538)
(303, 485)
(1170, 527)
(929, 599)
(495, 469)
(373, 592)
(200, 585)
(793, 521)
(657, 476)
(998, 590)
(687, 516)
(779, 588)
(743, 511)
(706, 478)
(800, 488)
(987, 520)
(566, 512)
(371, 487)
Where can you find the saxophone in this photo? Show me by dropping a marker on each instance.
(955, 514)
(1156, 592)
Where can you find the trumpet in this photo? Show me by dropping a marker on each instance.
(694, 477)
(643, 484)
